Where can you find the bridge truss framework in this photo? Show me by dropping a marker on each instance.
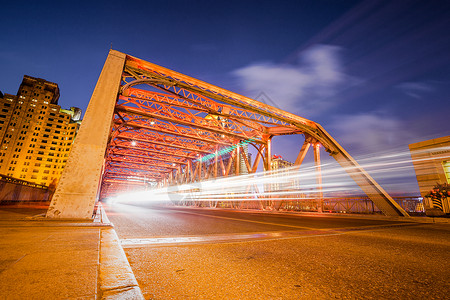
(146, 124)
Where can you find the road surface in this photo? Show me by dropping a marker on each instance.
(192, 253)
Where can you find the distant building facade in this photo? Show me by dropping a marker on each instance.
(278, 162)
(36, 135)
(281, 170)
(431, 160)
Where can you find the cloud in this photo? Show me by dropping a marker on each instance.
(306, 88)
(416, 89)
(369, 132)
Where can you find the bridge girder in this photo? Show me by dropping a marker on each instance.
(178, 129)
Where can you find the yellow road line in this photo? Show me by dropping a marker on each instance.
(249, 221)
(294, 226)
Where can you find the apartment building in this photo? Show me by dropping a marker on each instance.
(36, 135)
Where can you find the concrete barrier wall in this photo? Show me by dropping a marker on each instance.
(11, 193)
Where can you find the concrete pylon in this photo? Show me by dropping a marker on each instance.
(76, 192)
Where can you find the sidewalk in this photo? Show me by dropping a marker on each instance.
(54, 259)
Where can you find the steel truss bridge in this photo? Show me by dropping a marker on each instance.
(147, 125)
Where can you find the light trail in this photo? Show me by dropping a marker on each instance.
(294, 183)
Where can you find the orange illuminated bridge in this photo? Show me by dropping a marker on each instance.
(148, 127)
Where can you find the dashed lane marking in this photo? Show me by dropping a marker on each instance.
(214, 239)
(245, 237)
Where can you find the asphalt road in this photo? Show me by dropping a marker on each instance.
(187, 253)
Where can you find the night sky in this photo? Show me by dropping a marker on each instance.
(375, 74)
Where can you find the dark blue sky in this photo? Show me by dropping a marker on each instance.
(375, 74)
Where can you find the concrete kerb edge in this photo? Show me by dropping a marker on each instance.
(116, 278)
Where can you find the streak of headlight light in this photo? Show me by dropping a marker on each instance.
(159, 195)
(261, 185)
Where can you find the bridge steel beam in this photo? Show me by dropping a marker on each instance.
(184, 111)
(369, 186)
(318, 167)
(77, 189)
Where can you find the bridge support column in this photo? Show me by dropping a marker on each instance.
(77, 189)
(268, 155)
(301, 155)
(318, 176)
(237, 162)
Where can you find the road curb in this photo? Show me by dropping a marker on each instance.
(116, 278)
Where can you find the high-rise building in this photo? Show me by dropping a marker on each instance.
(36, 135)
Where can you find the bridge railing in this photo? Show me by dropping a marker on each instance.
(360, 205)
